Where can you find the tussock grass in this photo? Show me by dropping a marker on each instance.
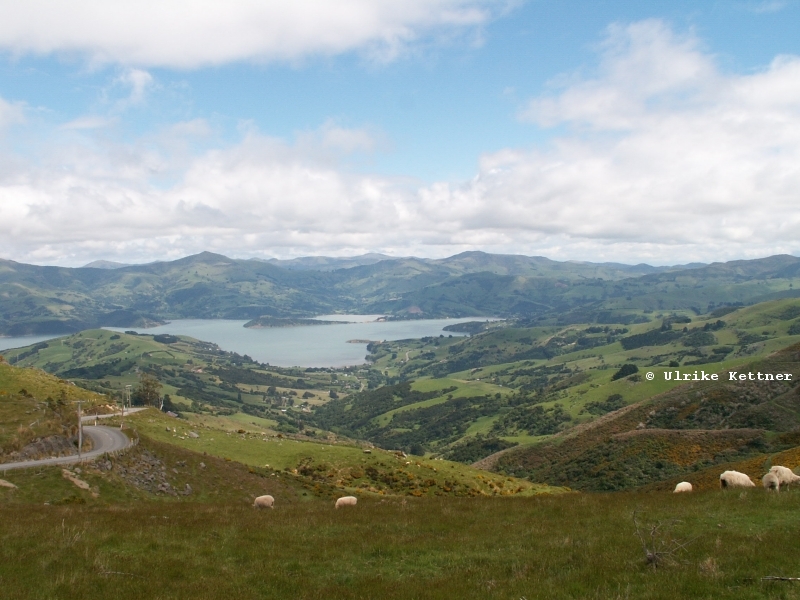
(34, 404)
(569, 546)
(123, 479)
(341, 465)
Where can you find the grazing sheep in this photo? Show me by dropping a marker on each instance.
(346, 501)
(683, 486)
(264, 502)
(785, 475)
(771, 482)
(734, 479)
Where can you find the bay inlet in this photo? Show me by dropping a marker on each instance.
(306, 345)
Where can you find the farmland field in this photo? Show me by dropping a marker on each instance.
(569, 546)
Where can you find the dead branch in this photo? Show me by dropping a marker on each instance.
(776, 578)
(658, 544)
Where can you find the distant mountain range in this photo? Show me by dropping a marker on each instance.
(105, 264)
(36, 299)
(303, 263)
(328, 263)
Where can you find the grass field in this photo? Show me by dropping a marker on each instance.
(341, 464)
(569, 546)
(34, 404)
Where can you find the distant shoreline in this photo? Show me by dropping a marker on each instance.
(272, 322)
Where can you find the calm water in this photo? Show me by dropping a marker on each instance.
(24, 340)
(306, 346)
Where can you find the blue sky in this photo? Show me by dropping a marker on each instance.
(598, 130)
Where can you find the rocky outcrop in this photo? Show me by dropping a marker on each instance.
(46, 447)
(146, 472)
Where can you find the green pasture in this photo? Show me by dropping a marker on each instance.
(343, 464)
(707, 545)
(464, 389)
(24, 411)
(220, 437)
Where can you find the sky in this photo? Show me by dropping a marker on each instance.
(663, 132)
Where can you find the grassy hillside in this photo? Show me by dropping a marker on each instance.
(457, 398)
(174, 516)
(315, 459)
(545, 547)
(570, 293)
(755, 467)
(335, 462)
(196, 375)
(35, 405)
(140, 475)
(541, 381)
(693, 426)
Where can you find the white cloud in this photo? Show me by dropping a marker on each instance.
(766, 6)
(88, 122)
(331, 141)
(138, 82)
(661, 157)
(177, 33)
(11, 113)
(644, 69)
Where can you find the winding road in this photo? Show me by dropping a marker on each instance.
(128, 411)
(104, 439)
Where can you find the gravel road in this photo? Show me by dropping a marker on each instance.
(105, 439)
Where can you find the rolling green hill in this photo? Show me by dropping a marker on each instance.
(557, 396)
(322, 466)
(694, 425)
(539, 382)
(35, 406)
(197, 376)
(37, 299)
(454, 397)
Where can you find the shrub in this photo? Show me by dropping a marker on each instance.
(610, 404)
(625, 370)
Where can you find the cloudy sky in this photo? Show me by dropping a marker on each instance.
(602, 130)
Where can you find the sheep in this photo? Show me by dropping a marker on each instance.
(264, 502)
(770, 481)
(346, 501)
(785, 475)
(735, 479)
(683, 486)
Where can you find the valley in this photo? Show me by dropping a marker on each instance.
(518, 431)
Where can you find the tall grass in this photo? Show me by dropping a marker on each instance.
(568, 546)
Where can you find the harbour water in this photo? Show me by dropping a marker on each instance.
(24, 340)
(306, 345)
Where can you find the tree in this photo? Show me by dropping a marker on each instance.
(625, 370)
(167, 405)
(147, 393)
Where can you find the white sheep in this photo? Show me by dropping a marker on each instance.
(770, 481)
(735, 479)
(346, 501)
(683, 486)
(785, 475)
(264, 502)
